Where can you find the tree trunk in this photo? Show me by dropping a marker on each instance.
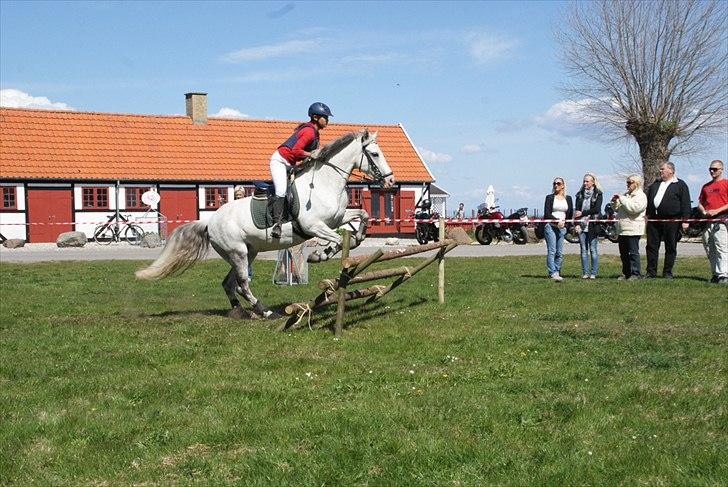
(653, 140)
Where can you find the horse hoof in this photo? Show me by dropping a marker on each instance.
(272, 315)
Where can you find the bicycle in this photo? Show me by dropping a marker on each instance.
(112, 230)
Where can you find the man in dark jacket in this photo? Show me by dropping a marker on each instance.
(667, 197)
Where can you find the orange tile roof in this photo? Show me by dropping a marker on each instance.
(62, 145)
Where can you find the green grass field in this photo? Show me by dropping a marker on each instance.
(516, 380)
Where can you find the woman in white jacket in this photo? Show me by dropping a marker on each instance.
(630, 208)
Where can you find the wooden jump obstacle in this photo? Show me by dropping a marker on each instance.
(336, 291)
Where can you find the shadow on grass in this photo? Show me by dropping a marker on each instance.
(356, 315)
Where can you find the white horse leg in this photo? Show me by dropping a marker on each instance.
(324, 232)
(363, 217)
(237, 280)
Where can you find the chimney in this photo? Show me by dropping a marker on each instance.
(196, 104)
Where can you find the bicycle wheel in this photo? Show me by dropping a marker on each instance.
(133, 234)
(104, 234)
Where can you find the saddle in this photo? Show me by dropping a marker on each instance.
(261, 205)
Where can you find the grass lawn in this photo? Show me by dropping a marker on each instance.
(516, 380)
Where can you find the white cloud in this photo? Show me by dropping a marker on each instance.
(12, 98)
(227, 112)
(472, 148)
(271, 50)
(485, 48)
(434, 157)
(572, 118)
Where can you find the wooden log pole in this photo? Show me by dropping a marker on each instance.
(441, 265)
(333, 284)
(397, 282)
(395, 254)
(372, 258)
(341, 306)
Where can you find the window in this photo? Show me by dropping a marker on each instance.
(243, 191)
(95, 198)
(215, 197)
(10, 198)
(354, 198)
(134, 197)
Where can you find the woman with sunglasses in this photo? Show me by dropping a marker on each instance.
(558, 206)
(630, 213)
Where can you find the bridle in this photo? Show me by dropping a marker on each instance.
(378, 176)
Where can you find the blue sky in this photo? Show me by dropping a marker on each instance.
(475, 84)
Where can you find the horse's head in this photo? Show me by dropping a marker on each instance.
(373, 162)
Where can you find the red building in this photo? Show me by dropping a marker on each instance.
(68, 170)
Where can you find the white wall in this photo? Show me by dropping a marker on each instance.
(12, 225)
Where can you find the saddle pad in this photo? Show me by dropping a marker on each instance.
(262, 212)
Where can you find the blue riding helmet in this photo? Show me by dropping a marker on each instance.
(319, 108)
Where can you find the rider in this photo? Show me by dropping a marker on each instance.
(300, 145)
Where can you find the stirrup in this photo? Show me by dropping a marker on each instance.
(275, 231)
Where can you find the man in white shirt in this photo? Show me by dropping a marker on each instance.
(667, 198)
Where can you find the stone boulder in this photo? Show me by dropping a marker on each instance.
(392, 241)
(459, 235)
(14, 243)
(71, 239)
(151, 240)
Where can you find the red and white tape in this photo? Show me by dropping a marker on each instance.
(448, 221)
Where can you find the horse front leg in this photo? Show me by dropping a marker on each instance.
(360, 234)
(324, 232)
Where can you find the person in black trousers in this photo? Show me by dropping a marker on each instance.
(667, 197)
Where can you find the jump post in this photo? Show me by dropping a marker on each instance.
(337, 291)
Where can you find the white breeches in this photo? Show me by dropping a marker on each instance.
(715, 241)
(279, 173)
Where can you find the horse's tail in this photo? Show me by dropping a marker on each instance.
(186, 245)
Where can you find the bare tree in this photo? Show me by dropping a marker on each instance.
(653, 70)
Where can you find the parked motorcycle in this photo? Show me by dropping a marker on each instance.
(695, 229)
(606, 230)
(511, 229)
(426, 231)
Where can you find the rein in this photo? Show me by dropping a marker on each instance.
(378, 176)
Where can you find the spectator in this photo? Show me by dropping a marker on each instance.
(714, 203)
(588, 203)
(238, 192)
(667, 197)
(630, 214)
(558, 206)
(460, 214)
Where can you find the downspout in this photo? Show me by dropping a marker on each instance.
(116, 195)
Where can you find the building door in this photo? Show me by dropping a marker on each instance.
(380, 206)
(406, 211)
(177, 204)
(52, 210)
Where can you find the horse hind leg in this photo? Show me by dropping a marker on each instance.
(230, 284)
(239, 263)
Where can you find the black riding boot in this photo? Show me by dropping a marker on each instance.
(278, 206)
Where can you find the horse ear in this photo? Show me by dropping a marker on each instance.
(374, 137)
(365, 134)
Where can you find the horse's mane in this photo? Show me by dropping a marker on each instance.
(330, 150)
